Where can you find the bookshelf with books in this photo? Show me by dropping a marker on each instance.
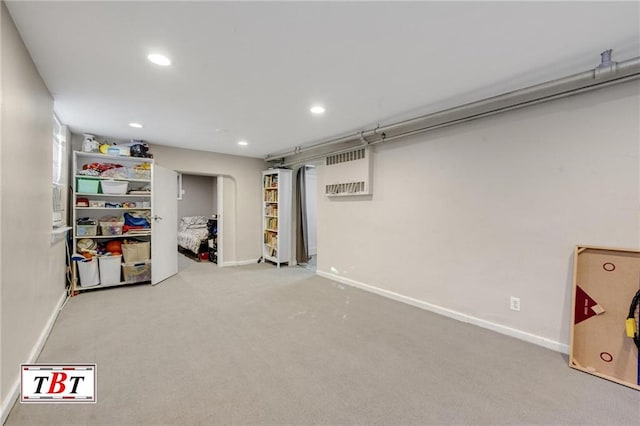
(276, 215)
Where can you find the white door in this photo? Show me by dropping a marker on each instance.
(164, 236)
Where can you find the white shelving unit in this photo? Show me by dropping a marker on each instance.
(142, 201)
(276, 215)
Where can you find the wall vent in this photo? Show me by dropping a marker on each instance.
(348, 173)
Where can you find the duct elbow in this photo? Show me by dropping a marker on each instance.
(607, 65)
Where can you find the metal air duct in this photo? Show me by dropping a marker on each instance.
(606, 74)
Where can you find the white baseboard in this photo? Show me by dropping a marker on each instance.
(238, 262)
(502, 329)
(14, 393)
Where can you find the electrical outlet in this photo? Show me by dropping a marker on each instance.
(515, 303)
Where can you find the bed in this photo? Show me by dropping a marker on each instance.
(193, 233)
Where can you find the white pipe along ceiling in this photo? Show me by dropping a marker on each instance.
(607, 73)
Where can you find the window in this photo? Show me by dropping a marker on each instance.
(59, 151)
(180, 191)
(59, 178)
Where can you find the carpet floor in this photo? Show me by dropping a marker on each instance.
(260, 345)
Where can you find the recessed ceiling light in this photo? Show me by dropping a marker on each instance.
(159, 59)
(317, 109)
(136, 125)
(243, 143)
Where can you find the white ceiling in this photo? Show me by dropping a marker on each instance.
(255, 68)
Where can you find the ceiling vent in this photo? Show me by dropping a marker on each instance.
(348, 173)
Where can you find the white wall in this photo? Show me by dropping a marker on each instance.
(242, 206)
(227, 223)
(32, 271)
(312, 209)
(464, 217)
(198, 198)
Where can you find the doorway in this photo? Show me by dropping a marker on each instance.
(197, 221)
(307, 208)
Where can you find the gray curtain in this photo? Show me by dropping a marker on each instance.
(302, 239)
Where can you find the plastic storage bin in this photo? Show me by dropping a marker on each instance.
(88, 186)
(136, 272)
(86, 230)
(111, 228)
(114, 187)
(135, 173)
(110, 269)
(88, 271)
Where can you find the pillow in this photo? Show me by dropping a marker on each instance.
(188, 221)
(197, 226)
